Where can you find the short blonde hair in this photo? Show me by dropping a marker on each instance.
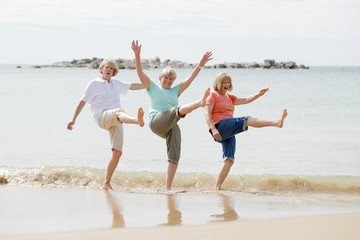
(219, 80)
(112, 63)
(168, 71)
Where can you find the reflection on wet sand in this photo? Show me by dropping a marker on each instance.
(118, 219)
(229, 212)
(174, 215)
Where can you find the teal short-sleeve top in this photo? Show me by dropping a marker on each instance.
(161, 99)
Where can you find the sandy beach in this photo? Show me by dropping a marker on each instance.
(68, 213)
(325, 227)
(309, 188)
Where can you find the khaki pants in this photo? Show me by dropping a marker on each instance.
(109, 121)
(164, 124)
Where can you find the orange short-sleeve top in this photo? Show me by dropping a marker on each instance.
(223, 106)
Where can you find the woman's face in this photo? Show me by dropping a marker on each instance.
(225, 86)
(166, 82)
(107, 72)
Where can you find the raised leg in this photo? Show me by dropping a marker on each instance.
(281, 120)
(125, 118)
(259, 123)
(188, 108)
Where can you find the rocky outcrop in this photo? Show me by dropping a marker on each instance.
(268, 64)
(156, 63)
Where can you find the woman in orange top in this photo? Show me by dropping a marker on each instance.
(223, 126)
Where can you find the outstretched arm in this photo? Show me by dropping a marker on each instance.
(186, 83)
(136, 86)
(77, 112)
(208, 119)
(143, 78)
(250, 99)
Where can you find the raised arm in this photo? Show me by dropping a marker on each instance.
(186, 83)
(208, 119)
(250, 99)
(77, 112)
(143, 78)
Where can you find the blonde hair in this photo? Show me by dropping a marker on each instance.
(112, 63)
(168, 71)
(220, 79)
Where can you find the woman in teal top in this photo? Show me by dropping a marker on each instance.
(164, 110)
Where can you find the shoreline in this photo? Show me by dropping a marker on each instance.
(320, 227)
(36, 212)
(147, 181)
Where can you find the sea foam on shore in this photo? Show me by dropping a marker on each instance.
(86, 177)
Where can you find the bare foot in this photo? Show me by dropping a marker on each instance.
(107, 187)
(140, 117)
(281, 121)
(203, 100)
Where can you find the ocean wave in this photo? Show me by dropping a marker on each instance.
(86, 177)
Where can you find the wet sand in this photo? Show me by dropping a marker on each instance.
(54, 213)
(341, 226)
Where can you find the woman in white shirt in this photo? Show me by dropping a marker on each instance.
(102, 94)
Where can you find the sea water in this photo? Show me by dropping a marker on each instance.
(317, 150)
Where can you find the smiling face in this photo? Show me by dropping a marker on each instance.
(166, 81)
(167, 77)
(225, 86)
(223, 83)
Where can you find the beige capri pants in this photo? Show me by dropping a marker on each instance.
(110, 122)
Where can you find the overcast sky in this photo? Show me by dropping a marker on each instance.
(309, 32)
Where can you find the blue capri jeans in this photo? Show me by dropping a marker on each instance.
(228, 128)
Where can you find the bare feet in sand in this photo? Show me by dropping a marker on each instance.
(140, 117)
(203, 100)
(281, 120)
(107, 187)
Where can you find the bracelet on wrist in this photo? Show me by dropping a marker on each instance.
(199, 66)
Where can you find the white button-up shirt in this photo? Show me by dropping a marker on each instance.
(103, 95)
